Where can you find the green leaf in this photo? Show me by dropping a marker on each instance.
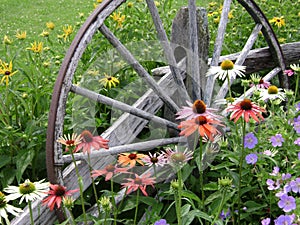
(185, 209)
(24, 159)
(4, 160)
(190, 195)
(212, 186)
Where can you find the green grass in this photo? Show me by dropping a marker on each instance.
(32, 15)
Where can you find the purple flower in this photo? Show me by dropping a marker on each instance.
(161, 222)
(297, 142)
(250, 140)
(275, 171)
(284, 220)
(224, 215)
(297, 127)
(287, 203)
(271, 184)
(297, 106)
(266, 221)
(286, 176)
(277, 140)
(251, 158)
(295, 185)
(297, 119)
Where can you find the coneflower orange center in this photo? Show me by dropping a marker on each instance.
(246, 104)
(110, 168)
(273, 90)
(200, 120)
(227, 65)
(261, 81)
(87, 136)
(60, 191)
(154, 159)
(132, 156)
(138, 181)
(199, 107)
(70, 142)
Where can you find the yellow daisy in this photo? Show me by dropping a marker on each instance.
(21, 35)
(6, 71)
(278, 21)
(109, 81)
(36, 47)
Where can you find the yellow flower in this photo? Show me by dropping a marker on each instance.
(68, 30)
(109, 81)
(99, 1)
(129, 4)
(93, 72)
(212, 4)
(45, 33)
(36, 47)
(210, 14)
(281, 40)
(230, 15)
(278, 21)
(118, 18)
(21, 35)
(7, 40)
(81, 15)
(7, 71)
(217, 20)
(50, 25)
(156, 3)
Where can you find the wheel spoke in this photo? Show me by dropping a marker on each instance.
(138, 68)
(122, 106)
(217, 49)
(140, 146)
(241, 58)
(162, 36)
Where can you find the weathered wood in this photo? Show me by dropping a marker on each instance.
(217, 50)
(122, 106)
(164, 41)
(240, 60)
(138, 68)
(181, 38)
(261, 58)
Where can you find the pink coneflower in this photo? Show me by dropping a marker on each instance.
(139, 182)
(108, 171)
(247, 109)
(177, 157)
(155, 159)
(90, 142)
(289, 72)
(198, 108)
(263, 84)
(204, 125)
(70, 141)
(56, 194)
(130, 159)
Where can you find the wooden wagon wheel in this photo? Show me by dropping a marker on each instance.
(64, 84)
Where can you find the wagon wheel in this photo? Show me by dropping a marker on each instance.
(64, 85)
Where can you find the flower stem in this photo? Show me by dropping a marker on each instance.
(228, 83)
(220, 206)
(93, 184)
(178, 197)
(115, 210)
(296, 88)
(240, 170)
(200, 170)
(80, 188)
(136, 206)
(30, 212)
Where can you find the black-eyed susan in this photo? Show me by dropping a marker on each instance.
(36, 47)
(117, 17)
(50, 25)
(21, 35)
(6, 70)
(278, 21)
(109, 81)
(7, 40)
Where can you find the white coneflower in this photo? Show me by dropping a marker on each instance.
(227, 68)
(272, 93)
(28, 190)
(6, 208)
